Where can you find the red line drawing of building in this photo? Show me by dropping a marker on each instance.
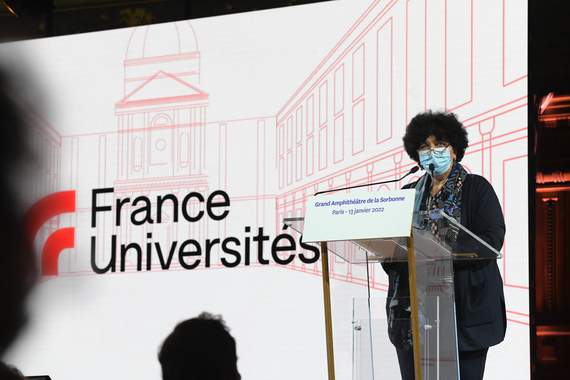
(165, 145)
(162, 119)
(343, 125)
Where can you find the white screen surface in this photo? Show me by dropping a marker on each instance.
(268, 107)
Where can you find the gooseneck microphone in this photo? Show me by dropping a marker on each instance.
(412, 171)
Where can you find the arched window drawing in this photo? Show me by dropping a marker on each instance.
(160, 148)
(161, 120)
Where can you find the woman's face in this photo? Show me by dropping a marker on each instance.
(436, 157)
(431, 143)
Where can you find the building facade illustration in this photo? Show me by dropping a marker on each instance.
(341, 127)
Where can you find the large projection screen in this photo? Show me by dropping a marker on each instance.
(252, 114)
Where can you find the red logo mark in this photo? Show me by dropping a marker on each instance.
(42, 211)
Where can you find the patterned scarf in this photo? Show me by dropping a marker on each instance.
(448, 200)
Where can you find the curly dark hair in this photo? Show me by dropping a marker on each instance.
(444, 126)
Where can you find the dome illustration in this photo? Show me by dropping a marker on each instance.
(162, 40)
(171, 48)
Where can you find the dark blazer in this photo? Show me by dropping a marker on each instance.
(479, 297)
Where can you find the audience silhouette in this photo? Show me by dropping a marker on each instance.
(17, 262)
(199, 349)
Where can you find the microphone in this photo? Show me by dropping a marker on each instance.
(412, 171)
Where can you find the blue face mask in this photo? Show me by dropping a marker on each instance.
(441, 162)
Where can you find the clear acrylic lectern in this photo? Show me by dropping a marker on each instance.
(432, 274)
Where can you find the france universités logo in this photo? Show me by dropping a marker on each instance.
(43, 210)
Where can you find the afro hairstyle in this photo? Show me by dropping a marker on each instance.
(444, 126)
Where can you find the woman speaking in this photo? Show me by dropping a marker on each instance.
(437, 141)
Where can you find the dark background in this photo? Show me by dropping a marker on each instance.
(41, 18)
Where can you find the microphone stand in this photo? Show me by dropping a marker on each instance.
(413, 170)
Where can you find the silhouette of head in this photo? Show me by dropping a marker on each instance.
(199, 349)
(9, 372)
(17, 264)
